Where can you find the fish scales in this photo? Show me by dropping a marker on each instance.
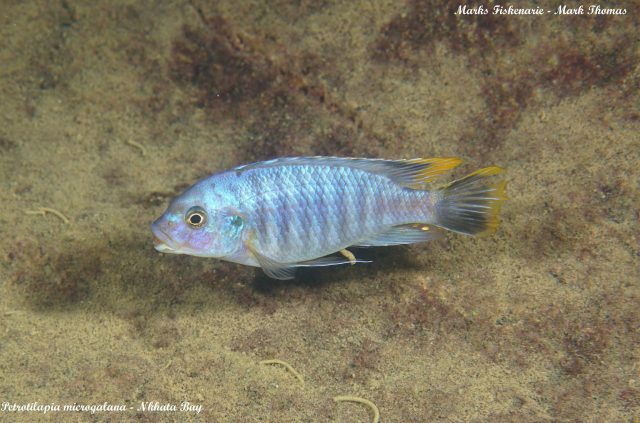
(315, 211)
(297, 212)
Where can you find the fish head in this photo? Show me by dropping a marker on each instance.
(199, 222)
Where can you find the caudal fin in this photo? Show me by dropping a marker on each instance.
(471, 204)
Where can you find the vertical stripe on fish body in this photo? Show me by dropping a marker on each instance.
(302, 212)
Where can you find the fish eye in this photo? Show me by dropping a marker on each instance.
(196, 217)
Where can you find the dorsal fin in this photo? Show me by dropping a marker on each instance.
(411, 173)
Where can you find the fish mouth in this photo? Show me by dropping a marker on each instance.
(162, 241)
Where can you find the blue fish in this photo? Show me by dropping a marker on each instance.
(295, 212)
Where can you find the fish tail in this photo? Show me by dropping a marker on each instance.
(471, 205)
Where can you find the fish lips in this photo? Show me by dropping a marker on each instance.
(161, 241)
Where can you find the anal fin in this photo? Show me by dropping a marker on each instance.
(403, 234)
(330, 261)
(284, 271)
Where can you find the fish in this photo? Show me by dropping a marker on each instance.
(292, 212)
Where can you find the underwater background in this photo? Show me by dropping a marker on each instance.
(109, 109)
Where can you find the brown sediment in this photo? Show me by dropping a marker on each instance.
(229, 73)
(564, 65)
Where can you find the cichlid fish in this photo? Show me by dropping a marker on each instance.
(295, 212)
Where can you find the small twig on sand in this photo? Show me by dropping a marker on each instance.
(44, 210)
(349, 398)
(137, 145)
(287, 366)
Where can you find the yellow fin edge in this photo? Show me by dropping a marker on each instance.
(433, 168)
(494, 193)
(493, 219)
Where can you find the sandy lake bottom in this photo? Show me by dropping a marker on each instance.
(110, 109)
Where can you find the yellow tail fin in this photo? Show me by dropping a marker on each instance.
(471, 205)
